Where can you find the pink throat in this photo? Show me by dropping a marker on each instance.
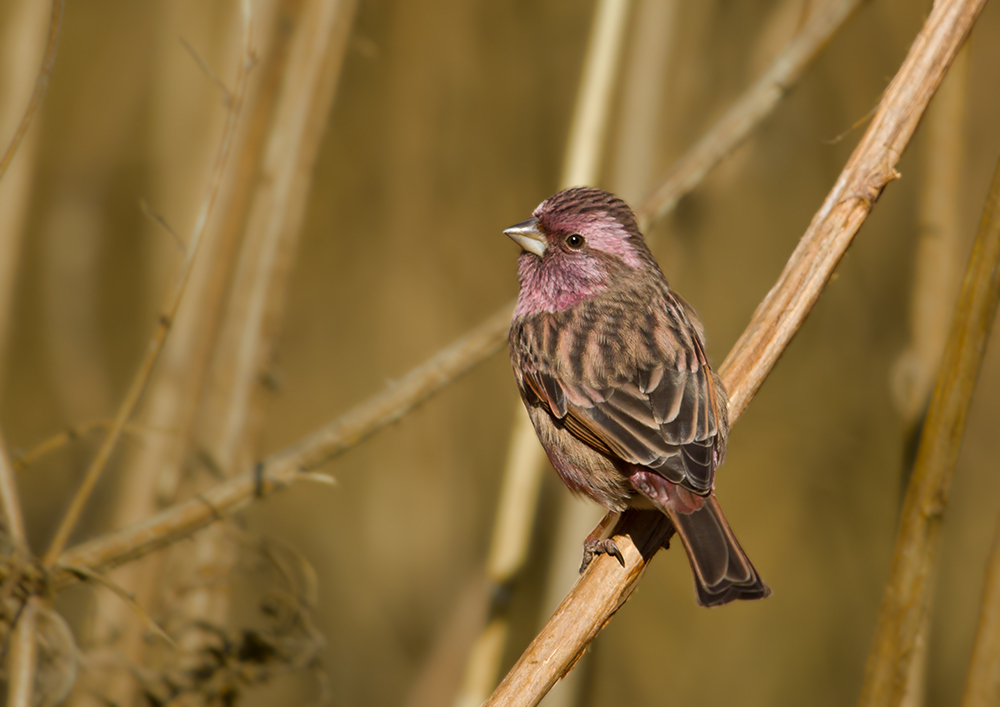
(555, 285)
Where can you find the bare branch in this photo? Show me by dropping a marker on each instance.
(167, 315)
(605, 586)
(758, 102)
(904, 604)
(41, 86)
(287, 466)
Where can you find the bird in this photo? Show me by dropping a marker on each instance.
(610, 364)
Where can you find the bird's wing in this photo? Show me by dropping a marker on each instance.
(666, 417)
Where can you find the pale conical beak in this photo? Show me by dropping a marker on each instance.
(527, 235)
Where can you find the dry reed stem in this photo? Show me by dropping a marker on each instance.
(937, 268)
(232, 412)
(643, 121)
(517, 505)
(167, 315)
(937, 271)
(982, 684)
(904, 604)
(41, 85)
(582, 162)
(287, 465)
(21, 461)
(211, 279)
(23, 659)
(605, 585)
(745, 115)
(11, 516)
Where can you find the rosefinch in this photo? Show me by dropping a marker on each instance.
(611, 366)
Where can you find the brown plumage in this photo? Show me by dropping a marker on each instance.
(611, 366)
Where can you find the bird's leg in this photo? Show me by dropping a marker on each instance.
(598, 544)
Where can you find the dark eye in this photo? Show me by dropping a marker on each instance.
(574, 240)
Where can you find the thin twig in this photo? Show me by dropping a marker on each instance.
(160, 221)
(87, 575)
(22, 461)
(287, 466)
(167, 315)
(41, 85)
(745, 115)
(904, 603)
(982, 684)
(227, 95)
(605, 586)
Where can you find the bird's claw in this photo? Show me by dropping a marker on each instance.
(593, 548)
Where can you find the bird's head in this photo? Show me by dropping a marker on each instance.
(576, 244)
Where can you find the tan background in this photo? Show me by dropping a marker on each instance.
(449, 125)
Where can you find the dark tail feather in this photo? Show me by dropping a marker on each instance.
(722, 571)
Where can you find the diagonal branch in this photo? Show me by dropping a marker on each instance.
(606, 586)
(904, 605)
(758, 102)
(168, 313)
(287, 466)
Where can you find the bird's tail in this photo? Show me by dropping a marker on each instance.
(722, 571)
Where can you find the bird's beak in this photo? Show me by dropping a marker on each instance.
(527, 235)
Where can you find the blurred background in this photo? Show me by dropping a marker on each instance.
(448, 123)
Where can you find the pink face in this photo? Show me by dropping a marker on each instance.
(570, 271)
(599, 230)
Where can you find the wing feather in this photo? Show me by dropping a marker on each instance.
(665, 416)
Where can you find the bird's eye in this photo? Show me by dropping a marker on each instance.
(574, 240)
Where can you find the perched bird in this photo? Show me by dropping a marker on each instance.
(611, 367)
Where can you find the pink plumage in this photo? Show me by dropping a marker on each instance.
(611, 366)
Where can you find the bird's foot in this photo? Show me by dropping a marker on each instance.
(598, 546)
